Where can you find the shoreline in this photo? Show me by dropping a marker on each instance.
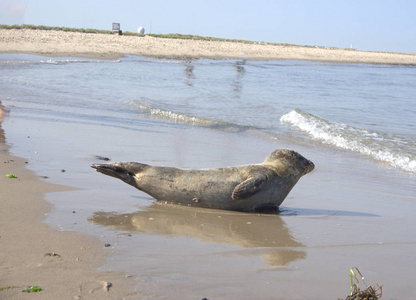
(342, 213)
(107, 46)
(64, 264)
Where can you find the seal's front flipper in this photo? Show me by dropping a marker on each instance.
(249, 187)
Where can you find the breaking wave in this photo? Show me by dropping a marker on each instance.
(76, 61)
(397, 151)
(55, 62)
(182, 118)
(176, 117)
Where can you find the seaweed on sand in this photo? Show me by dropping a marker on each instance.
(32, 289)
(370, 293)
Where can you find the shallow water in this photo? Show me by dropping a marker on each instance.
(355, 122)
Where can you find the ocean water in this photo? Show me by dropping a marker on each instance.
(365, 109)
(356, 122)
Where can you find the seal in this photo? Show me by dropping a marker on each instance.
(258, 187)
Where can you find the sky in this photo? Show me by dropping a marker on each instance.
(375, 25)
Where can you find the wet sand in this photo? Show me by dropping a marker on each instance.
(75, 44)
(63, 264)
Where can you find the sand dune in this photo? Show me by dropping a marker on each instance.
(60, 43)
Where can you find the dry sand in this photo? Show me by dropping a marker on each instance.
(59, 43)
(63, 264)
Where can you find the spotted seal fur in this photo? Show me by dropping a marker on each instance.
(257, 187)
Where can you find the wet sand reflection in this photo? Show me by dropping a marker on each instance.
(240, 229)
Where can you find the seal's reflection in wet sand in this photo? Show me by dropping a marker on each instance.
(244, 230)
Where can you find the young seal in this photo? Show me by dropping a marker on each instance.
(260, 187)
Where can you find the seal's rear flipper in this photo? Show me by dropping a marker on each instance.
(109, 169)
(123, 171)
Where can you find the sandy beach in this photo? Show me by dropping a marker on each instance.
(75, 44)
(63, 264)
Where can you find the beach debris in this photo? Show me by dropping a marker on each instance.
(52, 254)
(370, 293)
(44, 177)
(32, 289)
(63, 171)
(106, 285)
(102, 158)
(107, 245)
(11, 175)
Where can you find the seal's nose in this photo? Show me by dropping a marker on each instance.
(310, 167)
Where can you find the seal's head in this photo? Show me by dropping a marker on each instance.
(288, 162)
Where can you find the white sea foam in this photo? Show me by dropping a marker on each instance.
(152, 108)
(76, 61)
(16, 62)
(176, 117)
(397, 151)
